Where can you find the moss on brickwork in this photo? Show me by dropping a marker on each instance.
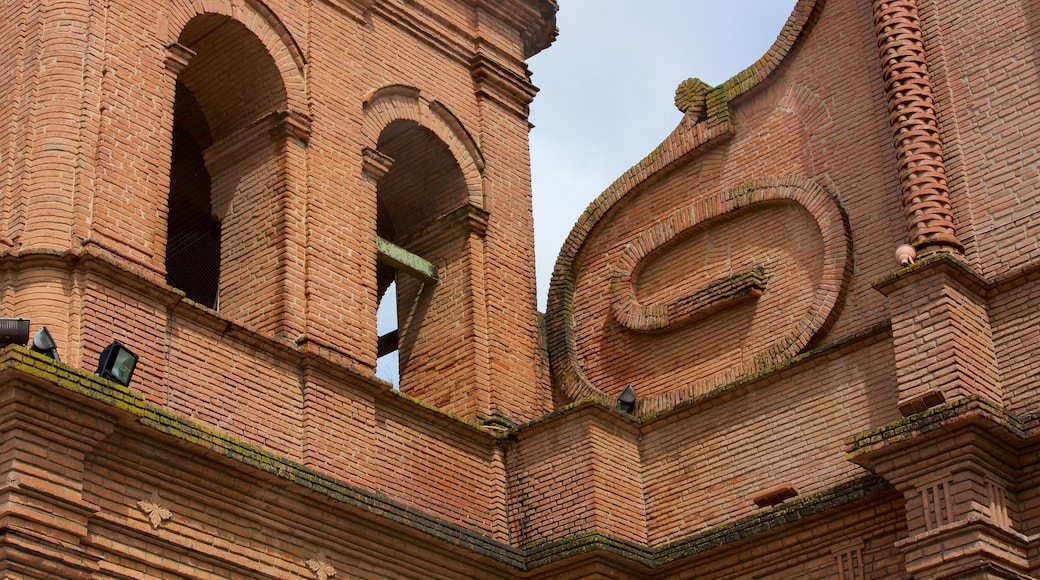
(545, 552)
(20, 360)
(932, 420)
(771, 518)
(534, 554)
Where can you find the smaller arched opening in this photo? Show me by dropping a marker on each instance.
(226, 225)
(422, 246)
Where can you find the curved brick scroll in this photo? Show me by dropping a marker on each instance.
(719, 294)
(695, 300)
(915, 128)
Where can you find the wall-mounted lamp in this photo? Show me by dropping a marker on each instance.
(117, 363)
(14, 331)
(627, 401)
(44, 344)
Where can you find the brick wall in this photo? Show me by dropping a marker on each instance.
(740, 278)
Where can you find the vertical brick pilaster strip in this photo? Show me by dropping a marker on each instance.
(56, 118)
(915, 127)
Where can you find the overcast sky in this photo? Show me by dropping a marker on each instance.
(607, 87)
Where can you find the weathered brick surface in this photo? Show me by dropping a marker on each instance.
(740, 279)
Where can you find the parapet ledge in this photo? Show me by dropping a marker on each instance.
(339, 368)
(869, 447)
(578, 409)
(943, 263)
(18, 363)
(767, 519)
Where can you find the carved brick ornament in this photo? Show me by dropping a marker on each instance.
(156, 512)
(915, 127)
(320, 566)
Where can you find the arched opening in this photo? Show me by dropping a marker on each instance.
(225, 230)
(193, 233)
(421, 253)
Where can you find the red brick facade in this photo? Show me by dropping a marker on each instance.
(230, 186)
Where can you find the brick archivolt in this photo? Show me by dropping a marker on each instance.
(404, 103)
(258, 19)
(915, 127)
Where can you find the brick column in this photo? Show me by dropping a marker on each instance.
(55, 122)
(956, 468)
(941, 333)
(915, 127)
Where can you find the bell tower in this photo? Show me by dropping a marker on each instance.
(453, 250)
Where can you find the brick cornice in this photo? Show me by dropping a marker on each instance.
(947, 264)
(535, 19)
(787, 513)
(1004, 429)
(201, 444)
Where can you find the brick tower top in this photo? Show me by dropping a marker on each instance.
(216, 182)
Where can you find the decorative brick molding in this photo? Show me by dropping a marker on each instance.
(375, 164)
(915, 127)
(154, 510)
(937, 504)
(261, 21)
(178, 57)
(998, 507)
(632, 314)
(729, 291)
(404, 103)
(707, 121)
(849, 562)
(320, 566)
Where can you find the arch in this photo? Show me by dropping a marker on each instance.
(258, 19)
(235, 134)
(393, 103)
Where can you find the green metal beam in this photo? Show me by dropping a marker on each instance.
(397, 257)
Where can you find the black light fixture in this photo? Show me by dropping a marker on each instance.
(627, 401)
(117, 363)
(44, 344)
(14, 331)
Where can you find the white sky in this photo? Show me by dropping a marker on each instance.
(607, 90)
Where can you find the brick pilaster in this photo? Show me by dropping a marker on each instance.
(43, 515)
(941, 333)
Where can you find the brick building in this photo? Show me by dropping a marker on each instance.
(229, 188)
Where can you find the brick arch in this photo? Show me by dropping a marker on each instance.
(258, 19)
(405, 103)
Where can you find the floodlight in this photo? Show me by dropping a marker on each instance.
(14, 331)
(627, 401)
(117, 363)
(44, 344)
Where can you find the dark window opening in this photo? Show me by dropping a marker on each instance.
(193, 234)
